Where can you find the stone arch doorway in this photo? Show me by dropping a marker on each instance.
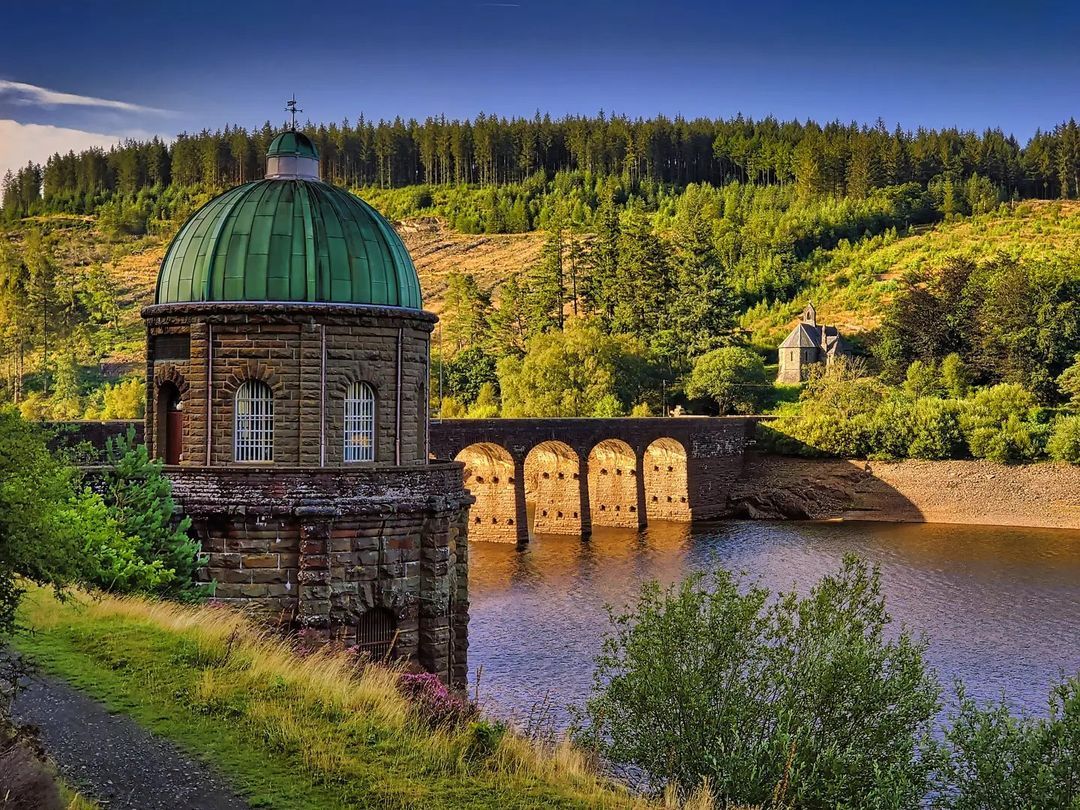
(170, 423)
(553, 489)
(613, 485)
(489, 476)
(667, 494)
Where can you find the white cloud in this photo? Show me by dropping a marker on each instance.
(32, 94)
(22, 143)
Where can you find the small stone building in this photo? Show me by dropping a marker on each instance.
(287, 386)
(808, 344)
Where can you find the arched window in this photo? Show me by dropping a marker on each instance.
(360, 422)
(254, 422)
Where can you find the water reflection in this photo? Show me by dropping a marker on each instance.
(1000, 606)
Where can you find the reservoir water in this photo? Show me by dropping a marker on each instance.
(999, 606)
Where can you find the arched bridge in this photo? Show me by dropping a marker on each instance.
(569, 475)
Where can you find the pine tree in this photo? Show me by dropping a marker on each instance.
(702, 315)
(466, 308)
(509, 320)
(643, 280)
(547, 284)
(599, 288)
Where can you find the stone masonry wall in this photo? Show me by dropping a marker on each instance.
(284, 346)
(317, 548)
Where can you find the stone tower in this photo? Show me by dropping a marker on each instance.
(287, 389)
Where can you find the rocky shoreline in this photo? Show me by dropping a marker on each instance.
(1045, 495)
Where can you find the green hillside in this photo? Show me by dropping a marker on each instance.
(851, 284)
(78, 281)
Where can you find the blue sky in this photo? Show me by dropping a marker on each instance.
(156, 67)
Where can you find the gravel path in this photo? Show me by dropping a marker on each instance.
(114, 760)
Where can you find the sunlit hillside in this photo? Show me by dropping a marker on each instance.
(848, 284)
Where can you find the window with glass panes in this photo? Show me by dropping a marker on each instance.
(254, 428)
(360, 422)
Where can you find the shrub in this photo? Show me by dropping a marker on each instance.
(935, 430)
(888, 429)
(1064, 443)
(955, 376)
(483, 738)
(433, 701)
(753, 692)
(836, 409)
(923, 380)
(140, 500)
(452, 408)
(486, 405)
(124, 400)
(40, 516)
(1003, 423)
(1069, 384)
(997, 761)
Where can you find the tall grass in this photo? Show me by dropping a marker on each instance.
(284, 725)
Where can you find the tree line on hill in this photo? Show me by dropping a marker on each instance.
(834, 158)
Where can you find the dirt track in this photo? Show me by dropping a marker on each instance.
(112, 759)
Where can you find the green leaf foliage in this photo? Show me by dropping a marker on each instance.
(42, 515)
(577, 372)
(814, 698)
(139, 498)
(1064, 443)
(733, 377)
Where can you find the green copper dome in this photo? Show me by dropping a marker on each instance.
(289, 237)
(292, 143)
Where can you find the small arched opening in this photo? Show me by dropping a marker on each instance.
(666, 489)
(553, 489)
(489, 477)
(613, 484)
(376, 634)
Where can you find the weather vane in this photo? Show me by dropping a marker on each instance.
(292, 109)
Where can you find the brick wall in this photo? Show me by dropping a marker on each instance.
(553, 488)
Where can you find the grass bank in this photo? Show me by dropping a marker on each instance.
(289, 731)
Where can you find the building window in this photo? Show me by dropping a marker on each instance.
(254, 422)
(360, 422)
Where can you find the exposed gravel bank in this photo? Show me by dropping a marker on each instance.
(1043, 495)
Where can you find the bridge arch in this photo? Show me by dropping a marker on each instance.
(553, 488)
(489, 476)
(667, 491)
(614, 485)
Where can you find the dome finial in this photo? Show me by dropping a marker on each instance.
(292, 109)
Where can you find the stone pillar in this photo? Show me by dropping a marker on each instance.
(583, 491)
(310, 395)
(521, 513)
(639, 487)
(435, 595)
(313, 574)
(459, 599)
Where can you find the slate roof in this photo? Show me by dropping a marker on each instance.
(803, 336)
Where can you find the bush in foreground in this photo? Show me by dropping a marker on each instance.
(808, 697)
(998, 761)
(162, 557)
